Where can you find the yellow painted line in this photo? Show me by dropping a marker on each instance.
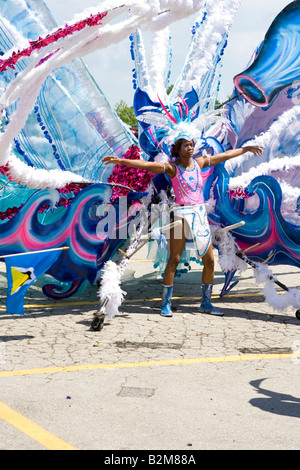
(128, 301)
(36, 432)
(201, 360)
(58, 304)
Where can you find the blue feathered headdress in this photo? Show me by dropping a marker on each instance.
(164, 124)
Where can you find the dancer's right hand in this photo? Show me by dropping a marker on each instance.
(111, 159)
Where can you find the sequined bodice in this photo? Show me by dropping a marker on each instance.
(188, 185)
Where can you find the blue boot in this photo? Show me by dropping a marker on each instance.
(206, 306)
(166, 301)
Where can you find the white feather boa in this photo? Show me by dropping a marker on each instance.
(284, 165)
(36, 178)
(275, 131)
(219, 19)
(279, 302)
(110, 293)
(227, 249)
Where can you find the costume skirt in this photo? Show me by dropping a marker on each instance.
(196, 226)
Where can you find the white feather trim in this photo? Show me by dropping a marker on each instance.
(281, 302)
(265, 168)
(219, 19)
(160, 62)
(275, 131)
(290, 298)
(40, 179)
(227, 251)
(110, 293)
(262, 273)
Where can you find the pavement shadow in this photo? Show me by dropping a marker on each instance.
(7, 338)
(54, 311)
(140, 293)
(274, 402)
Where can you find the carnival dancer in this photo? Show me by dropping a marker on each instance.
(185, 174)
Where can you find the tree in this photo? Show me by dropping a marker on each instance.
(126, 113)
(169, 89)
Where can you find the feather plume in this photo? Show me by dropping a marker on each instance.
(110, 292)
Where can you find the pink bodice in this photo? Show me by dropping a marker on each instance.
(188, 185)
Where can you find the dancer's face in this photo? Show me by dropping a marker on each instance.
(187, 149)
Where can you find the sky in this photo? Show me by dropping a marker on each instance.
(112, 67)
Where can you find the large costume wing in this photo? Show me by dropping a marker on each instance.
(55, 140)
(57, 125)
(267, 113)
(72, 125)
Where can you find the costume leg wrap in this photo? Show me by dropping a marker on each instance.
(206, 306)
(166, 301)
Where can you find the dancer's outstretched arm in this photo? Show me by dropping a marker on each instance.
(154, 167)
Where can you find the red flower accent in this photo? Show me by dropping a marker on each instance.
(4, 169)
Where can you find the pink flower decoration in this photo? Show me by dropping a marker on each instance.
(138, 180)
(10, 212)
(239, 193)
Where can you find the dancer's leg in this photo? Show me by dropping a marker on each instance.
(207, 284)
(176, 246)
